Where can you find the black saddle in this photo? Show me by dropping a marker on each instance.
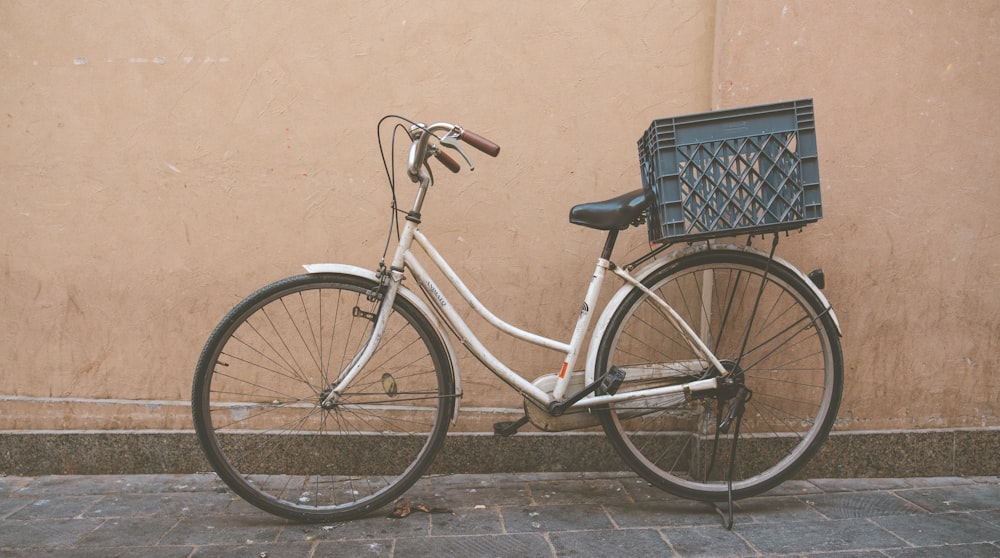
(616, 213)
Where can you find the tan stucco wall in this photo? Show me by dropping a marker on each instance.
(908, 118)
(160, 161)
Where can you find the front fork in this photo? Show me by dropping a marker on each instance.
(385, 294)
(387, 288)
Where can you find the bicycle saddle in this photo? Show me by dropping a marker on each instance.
(616, 213)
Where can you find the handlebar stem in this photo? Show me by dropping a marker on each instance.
(416, 166)
(419, 148)
(424, 177)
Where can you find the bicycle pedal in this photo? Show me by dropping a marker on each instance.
(612, 381)
(509, 427)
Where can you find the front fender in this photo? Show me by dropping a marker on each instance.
(602, 323)
(413, 299)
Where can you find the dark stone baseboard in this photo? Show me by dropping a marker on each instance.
(909, 453)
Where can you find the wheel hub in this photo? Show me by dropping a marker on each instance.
(729, 386)
(328, 405)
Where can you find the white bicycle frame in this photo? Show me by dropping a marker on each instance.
(404, 259)
(571, 349)
(404, 255)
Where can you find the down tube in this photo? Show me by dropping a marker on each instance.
(469, 339)
(478, 306)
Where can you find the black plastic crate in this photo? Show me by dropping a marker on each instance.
(738, 171)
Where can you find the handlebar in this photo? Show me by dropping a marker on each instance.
(480, 143)
(421, 149)
(446, 160)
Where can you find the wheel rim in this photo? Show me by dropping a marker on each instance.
(787, 361)
(263, 425)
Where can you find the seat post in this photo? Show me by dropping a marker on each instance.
(609, 244)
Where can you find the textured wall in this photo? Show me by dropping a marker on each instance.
(159, 161)
(908, 119)
(164, 159)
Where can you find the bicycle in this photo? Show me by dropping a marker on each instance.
(325, 396)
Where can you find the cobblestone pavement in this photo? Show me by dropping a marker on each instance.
(557, 515)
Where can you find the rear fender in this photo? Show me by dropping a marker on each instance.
(602, 324)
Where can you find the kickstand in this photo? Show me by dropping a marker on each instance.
(734, 417)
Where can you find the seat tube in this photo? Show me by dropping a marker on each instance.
(582, 324)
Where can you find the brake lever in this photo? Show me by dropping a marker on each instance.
(452, 142)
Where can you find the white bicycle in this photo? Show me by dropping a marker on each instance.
(324, 396)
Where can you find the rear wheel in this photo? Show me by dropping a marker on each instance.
(265, 370)
(768, 327)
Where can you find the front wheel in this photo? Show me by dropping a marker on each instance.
(268, 365)
(767, 327)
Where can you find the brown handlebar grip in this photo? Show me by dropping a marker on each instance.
(480, 143)
(447, 161)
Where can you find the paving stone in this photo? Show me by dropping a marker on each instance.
(118, 484)
(979, 550)
(941, 529)
(11, 485)
(235, 506)
(771, 509)
(10, 504)
(513, 545)
(707, 542)
(575, 476)
(300, 550)
(470, 491)
(921, 482)
(72, 485)
(818, 536)
(990, 516)
(663, 513)
(193, 483)
(548, 515)
(537, 519)
(852, 554)
(992, 479)
(173, 505)
(968, 498)
(641, 491)
(54, 507)
(220, 530)
(467, 521)
(368, 528)
(308, 532)
(145, 531)
(588, 491)
(794, 488)
(119, 552)
(45, 533)
(854, 485)
(846, 505)
(354, 549)
(632, 542)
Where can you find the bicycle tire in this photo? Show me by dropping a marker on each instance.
(263, 372)
(788, 355)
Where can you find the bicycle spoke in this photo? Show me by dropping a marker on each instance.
(765, 327)
(258, 392)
